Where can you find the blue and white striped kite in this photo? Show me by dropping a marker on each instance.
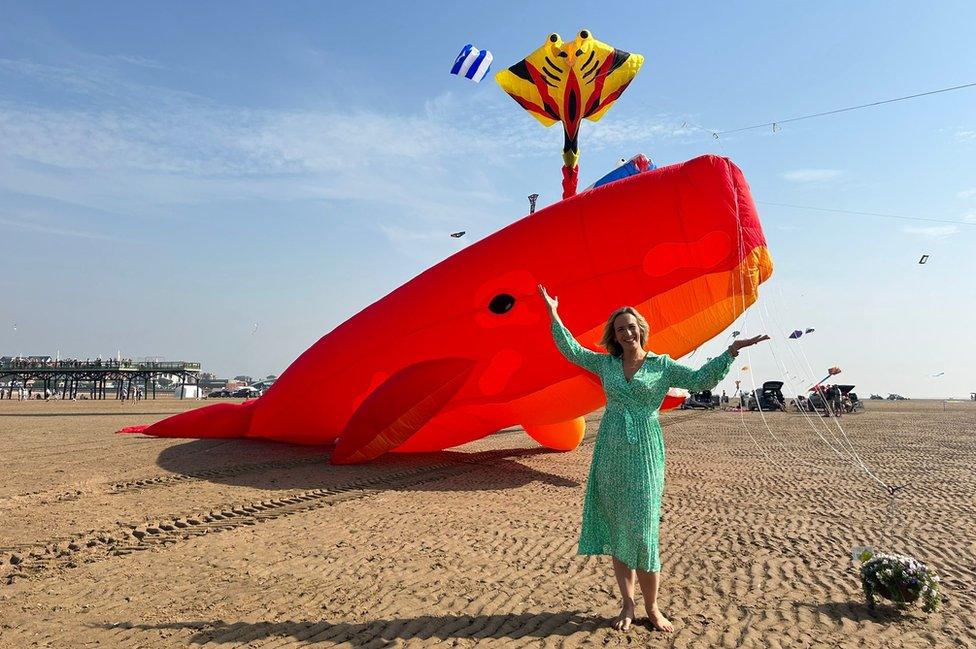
(472, 63)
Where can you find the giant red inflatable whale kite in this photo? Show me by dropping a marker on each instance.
(464, 349)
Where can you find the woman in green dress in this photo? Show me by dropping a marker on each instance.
(622, 509)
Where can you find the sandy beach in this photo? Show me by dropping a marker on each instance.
(128, 541)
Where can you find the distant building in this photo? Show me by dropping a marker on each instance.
(212, 382)
(263, 385)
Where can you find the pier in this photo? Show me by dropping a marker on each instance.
(95, 378)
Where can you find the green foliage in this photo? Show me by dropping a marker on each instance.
(901, 579)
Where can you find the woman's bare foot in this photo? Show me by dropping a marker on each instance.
(658, 621)
(622, 621)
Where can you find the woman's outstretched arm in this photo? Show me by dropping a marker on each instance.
(705, 377)
(708, 375)
(565, 342)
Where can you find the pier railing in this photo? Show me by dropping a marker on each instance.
(98, 364)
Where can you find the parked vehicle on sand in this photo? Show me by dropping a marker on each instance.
(703, 400)
(769, 397)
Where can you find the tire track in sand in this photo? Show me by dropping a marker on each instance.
(87, 547)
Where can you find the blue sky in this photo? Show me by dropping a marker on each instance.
(172, 174)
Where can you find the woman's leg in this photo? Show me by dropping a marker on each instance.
(649, 582)
(625, 581)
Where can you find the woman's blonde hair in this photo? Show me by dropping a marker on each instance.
(609, 340)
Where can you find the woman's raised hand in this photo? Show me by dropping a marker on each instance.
(551, 302)
(747, 342)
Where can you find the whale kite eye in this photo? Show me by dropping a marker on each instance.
(553, 37)
(501, 303)
(584, 34)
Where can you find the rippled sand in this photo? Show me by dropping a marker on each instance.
(124, 540)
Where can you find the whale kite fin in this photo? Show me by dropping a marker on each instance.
(400, 407)
(561, 436)
(221, 420)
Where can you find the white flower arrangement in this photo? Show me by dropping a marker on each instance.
(901, 579)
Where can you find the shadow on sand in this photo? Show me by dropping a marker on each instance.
(274, 466)
(443, 627)
(857, 611)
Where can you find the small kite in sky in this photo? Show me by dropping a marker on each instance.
(935, 376)
(796, 334)
(735, 334)
(833, 371)
(472, 63)
(809, 330)
(458, 235)
(924, 259)
(255, 329)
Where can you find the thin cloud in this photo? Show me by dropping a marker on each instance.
(62, 77)
(138, 61)
(967, 194)
(31, 226)
(812, 175)
(143, 150)
(422, 245)
(398, 234)
(161, 130)
(932, 232)
(154, 153)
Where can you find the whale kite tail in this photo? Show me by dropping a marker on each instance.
(222, 420)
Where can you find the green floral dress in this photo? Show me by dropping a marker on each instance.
(622, 509)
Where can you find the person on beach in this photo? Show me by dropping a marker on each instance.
(836, 397)
(622, 507)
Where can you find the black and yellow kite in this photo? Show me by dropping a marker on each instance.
(567, 82)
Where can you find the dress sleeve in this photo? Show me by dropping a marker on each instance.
(704, 378)
(573, 351)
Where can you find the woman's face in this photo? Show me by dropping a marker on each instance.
(625, 330)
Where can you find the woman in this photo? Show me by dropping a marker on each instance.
(622, 509)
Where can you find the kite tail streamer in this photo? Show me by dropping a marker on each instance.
(570, 178)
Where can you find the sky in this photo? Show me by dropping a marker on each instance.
(227, 182)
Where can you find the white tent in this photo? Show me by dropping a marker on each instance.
(186, 392)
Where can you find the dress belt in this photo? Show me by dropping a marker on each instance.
(629, 412)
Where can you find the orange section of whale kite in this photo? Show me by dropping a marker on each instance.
(470, 350)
